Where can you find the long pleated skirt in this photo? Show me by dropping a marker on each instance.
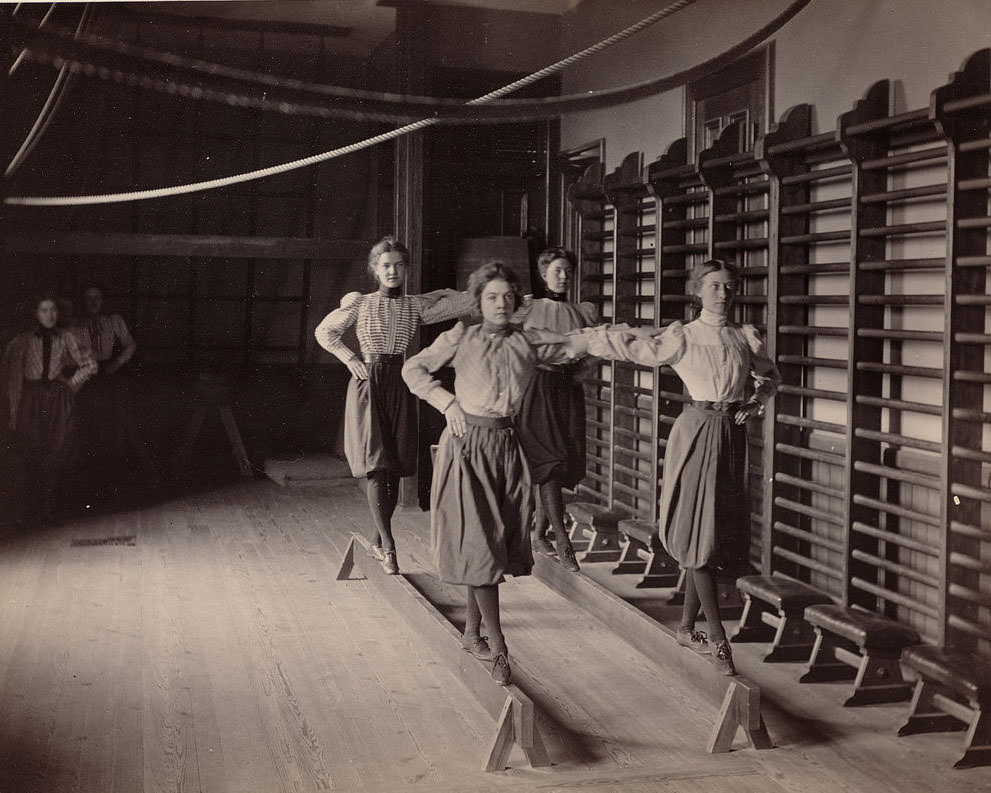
(480, 504)
(380, 422)
(46, 424)
(552, 427)
(704, 517)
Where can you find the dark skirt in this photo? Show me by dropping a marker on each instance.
(46, 424)
(480, 502)
(380, 422)
(552, 427)
(704, 518)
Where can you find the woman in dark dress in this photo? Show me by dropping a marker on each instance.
(43, 369)
(379, 416)
(552, 416)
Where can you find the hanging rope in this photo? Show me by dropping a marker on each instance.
(375, 140)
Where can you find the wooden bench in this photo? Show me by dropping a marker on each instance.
(595, 530)
(774, 611)
(952, 692)
(644, 555)
(854, 643)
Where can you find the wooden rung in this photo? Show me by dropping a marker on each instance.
(888, 122)
(970, 531)
(981, 632)
(901, 300)
(958, 489)
(699, 247)
(806, 360)
(934, 336)
(898, 440)
(816, 455)
(816, 237)
(888, 472)
(810, 512)
(814, 300)
(831, 571)
(896, 539)
(905, 194)
(806, 484)
(893, 567)
(749, 216)
(968, 185)
(895, 597)
(970, 595)
(972, 338)
(816, 206)
(972, 300)
(899, 404)
(897, 369)
(752, 244)
(810, 424)
(969, 414)
(903, 264)
(815, 269)
(965, 453)
(898, 510)
(819, 175)
(895, 160)
(812, 330)
(961, 376)
(970, 563)
(902, 229)
(974, 223)
(801, 534)
(813, 393)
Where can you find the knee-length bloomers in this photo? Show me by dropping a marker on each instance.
(552, 415)
(379, 415)
(480, 494)
(703, 519)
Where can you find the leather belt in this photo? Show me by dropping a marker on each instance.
(489, 422)
(717, 407)
(382, 358)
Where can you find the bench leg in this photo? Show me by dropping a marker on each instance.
(603, 546)
(879, 679)
(977, 747)
(576, 533)
(824, 666)
(752, 627)
(793, 641)
(662, 571)
(630, 560)
(925, 715)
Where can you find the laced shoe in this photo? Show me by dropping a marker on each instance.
(478, 646)
(568, 560)
(389, 563)
(501, 672)
(722, 657)
(375, 551)
(697, 640)
(542, 545)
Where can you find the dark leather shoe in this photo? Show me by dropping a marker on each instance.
(501, 672)
(568, 560)
(389, 563)
(543, 545)
(722, 657)
(697, 640)
(478, 646)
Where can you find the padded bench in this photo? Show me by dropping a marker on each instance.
(854, 643)
(774, 611)
(644, 554)
(595, 530)
(952, 692)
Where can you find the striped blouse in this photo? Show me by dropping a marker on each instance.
(385, 325)
(24, 360)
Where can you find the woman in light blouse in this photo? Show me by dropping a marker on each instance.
(481, 495)
(552, 416)
(43, 369)
(703, 522)
(379, 415)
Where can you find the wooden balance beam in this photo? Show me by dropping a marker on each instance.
(738, 699)
(512, 709)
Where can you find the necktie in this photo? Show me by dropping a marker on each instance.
(46, 355)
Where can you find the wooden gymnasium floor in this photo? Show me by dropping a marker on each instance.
(203, 644)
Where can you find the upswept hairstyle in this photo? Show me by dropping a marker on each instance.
(550, 254)
(387, 244)
(491, 271)
(701, 270)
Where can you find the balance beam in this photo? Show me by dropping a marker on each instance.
(513, 710)
(738, 699)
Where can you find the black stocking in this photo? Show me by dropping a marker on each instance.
(553, 503)
(473, 615)
(382, 503)
(487, 598)
(701, 589)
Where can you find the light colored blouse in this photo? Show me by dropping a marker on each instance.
(385, 325)
(492, 367)
(718, 361)
(100, 334)
(24, 360)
